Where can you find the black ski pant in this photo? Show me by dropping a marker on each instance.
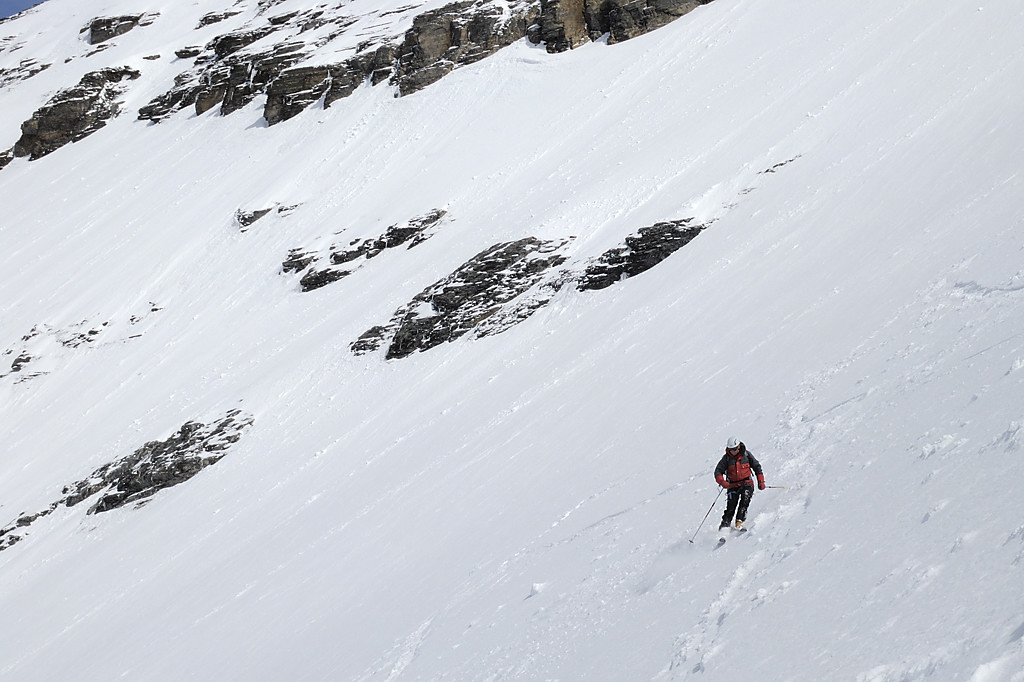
(736, 503)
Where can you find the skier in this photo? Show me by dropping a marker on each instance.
(733, 473)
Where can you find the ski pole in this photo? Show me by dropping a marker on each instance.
(777, 486)
(707, 515)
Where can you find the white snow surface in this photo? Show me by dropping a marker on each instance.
(519, 507)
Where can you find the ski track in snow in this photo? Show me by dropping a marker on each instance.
(807, 435)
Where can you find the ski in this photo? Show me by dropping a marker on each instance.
(725, 535)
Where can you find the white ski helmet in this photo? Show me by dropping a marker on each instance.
(733, 442)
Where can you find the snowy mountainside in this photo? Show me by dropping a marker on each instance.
(519, 505)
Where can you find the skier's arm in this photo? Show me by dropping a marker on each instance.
(756, 466)
(723, 464)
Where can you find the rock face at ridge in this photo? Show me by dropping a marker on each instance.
(565, 24)
(623, 20)
(231, 70)
(75, 113)
(439, 41)
(296, 88)
(155, 466)
(457, 34)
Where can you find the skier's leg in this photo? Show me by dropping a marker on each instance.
(731, 498)
(746, 492)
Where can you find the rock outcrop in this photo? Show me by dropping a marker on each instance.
(322, 267)
(641, 252)
(155, 466)
(226, 80)
(246, 219)
(455, 35)
(565, 24)
(44, 347)
(623, 20)
(297, 88)
(160, 464)
(75, 113)
(25, 70)
(507, 283)
(216, 17)
(463, 301)
(230, 71)
(439, 41)
(103, 29)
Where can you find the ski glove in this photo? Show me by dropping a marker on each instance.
(760, 482)
(722, 482)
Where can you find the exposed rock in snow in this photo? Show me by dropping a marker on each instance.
(103, 29)
(247, 218)
(336, 262)
(297, 88)
(24, 71)
(563, 24)
(160, 464)
(504, 285)
(458, 34)
(623, 19)
(216, 17)
(642, 251)
(75, 113)
(151, 468)
(42, 348)
(566, 24)
(228, 75)
(464, 300)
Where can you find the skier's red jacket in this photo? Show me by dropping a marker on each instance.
(733, 471)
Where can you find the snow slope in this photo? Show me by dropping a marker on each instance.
(519, 506)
